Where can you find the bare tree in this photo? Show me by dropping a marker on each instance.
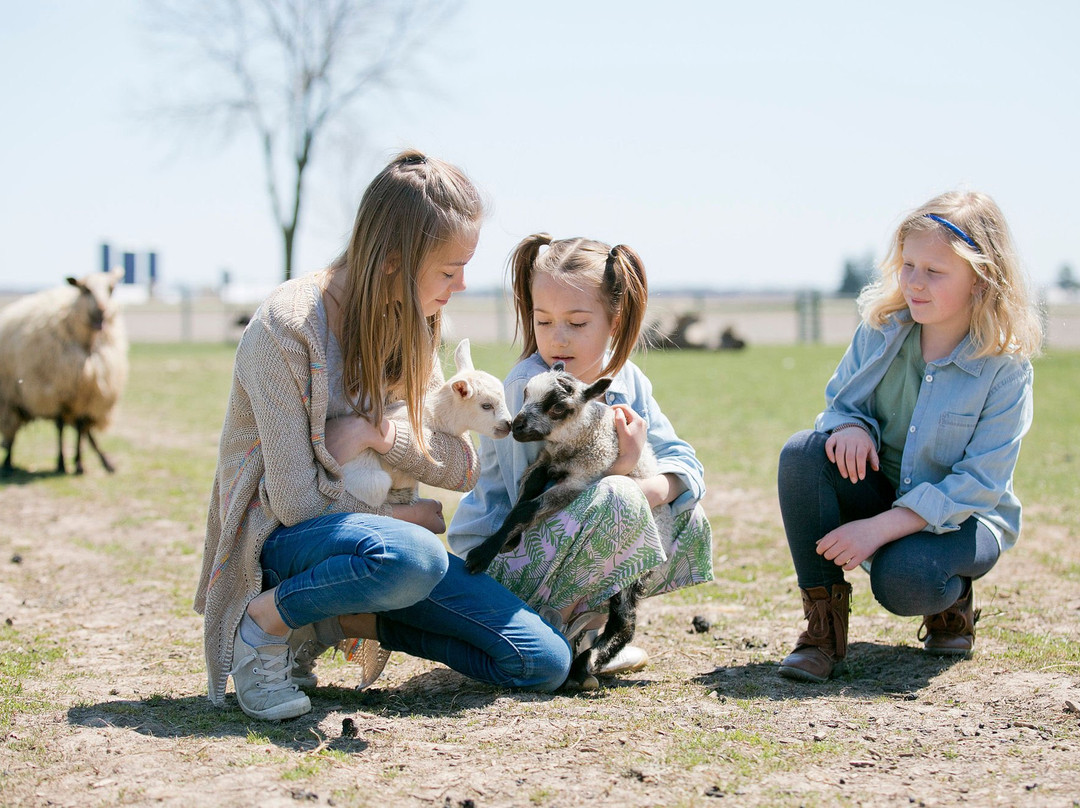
(289, 70)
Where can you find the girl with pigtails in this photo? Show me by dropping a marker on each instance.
(582, 303)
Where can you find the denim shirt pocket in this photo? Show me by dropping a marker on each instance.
(953, 435)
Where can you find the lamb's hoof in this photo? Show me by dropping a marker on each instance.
(475, 565)
(586, 685)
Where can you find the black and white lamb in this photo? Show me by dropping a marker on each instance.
(580, 447)
(63, 356)
(470, 399)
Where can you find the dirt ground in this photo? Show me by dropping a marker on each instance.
(114, 711)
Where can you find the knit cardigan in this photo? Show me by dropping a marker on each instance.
(273, 466)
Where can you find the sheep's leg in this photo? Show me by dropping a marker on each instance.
(61, 467)
(7, 467)
(109, 467)
(84, 429)
(618, 631)
(481, 556)
(533, 503)
(532, 485)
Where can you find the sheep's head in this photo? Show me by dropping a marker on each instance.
(554, 402)
(480, 403)
(95, 297)
(470, 399)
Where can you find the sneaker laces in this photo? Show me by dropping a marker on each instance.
(276, 673)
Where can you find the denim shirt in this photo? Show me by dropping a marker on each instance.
(965, 432)
(503, 462)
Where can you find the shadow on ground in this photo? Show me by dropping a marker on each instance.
(871, 670)
(435, 693)
(18, 476)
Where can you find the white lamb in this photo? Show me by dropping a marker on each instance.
(63, 356)
(470, 399)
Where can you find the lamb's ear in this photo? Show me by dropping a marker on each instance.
(462, 388)
(597, 388)
(558, 367)
(463, 356)
(72, 280)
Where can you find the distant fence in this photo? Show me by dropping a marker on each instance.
(757, 319)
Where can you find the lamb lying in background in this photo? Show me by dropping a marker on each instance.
(580, 447)
(63, 356)
(470, 399)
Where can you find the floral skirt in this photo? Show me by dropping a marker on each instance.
(604, 541)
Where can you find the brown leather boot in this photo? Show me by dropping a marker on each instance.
(952, 632)
(820, 649)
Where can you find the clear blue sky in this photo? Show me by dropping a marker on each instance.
(735, 145)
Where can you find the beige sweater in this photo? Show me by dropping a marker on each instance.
(273, 466)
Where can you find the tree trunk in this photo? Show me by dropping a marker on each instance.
(288, 233)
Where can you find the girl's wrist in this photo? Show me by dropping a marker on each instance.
(389, 437)
(849, 425)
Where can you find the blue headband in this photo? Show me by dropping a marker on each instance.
(966, 238)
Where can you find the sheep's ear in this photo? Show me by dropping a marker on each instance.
(72, 280)
(463, 356)
(116, 274)
(462, 388)
(597, 388)
(558, 367)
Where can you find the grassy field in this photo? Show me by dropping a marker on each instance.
(101, 652)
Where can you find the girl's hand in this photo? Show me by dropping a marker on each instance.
(849, 449)
(349, 435)
(850, 544)
(424, 512)
(633, 434)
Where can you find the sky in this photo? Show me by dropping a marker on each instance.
(735, 146)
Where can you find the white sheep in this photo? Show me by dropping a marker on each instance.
(63, 356)
(470, 399)
(580, 447)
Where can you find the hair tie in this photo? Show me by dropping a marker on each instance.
(611, 279)
(966, 238)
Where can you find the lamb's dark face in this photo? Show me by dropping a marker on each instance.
(553, 401)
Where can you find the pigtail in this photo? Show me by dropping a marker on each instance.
(627, 289)
(522, 264)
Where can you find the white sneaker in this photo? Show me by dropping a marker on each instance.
(262, 678)
(306, 651)
(630, 658)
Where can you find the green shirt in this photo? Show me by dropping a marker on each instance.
(894, 402)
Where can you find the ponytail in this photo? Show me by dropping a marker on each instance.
(522, 265)
(626, 294)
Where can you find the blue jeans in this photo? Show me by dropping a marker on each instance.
(425, 603)
(918, 574)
